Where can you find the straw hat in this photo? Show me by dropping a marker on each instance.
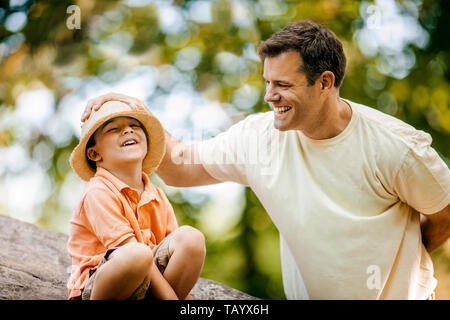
(113, 109)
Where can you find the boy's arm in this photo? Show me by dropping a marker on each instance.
(159, 286)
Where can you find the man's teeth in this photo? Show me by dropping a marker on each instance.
(282, 109)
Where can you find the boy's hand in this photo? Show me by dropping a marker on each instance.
(96, 103)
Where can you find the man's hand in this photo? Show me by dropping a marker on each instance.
(96, 103)
(435, 228)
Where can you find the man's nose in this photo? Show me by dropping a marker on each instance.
(271, 95)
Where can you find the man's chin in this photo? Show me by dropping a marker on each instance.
(280, 126)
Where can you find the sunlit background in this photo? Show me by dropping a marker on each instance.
(194, 64)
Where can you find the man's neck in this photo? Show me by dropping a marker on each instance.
(330, 120)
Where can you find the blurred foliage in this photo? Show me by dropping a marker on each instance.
(213, 49)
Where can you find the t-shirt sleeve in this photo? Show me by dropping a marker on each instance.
(225, 157)
(104, 215)
(423, 180)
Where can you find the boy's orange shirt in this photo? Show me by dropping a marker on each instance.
(109, 213)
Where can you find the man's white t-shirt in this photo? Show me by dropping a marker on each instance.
(347, 208)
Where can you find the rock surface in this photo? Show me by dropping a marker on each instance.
(34, 265)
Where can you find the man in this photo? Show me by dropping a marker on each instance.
(359, 197)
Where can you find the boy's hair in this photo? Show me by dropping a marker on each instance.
(91, 142)
(318, 46)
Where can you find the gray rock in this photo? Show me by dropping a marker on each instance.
(34, 265)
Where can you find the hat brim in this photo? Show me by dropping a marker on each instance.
(156, 144)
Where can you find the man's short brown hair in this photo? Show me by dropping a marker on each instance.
(318, 46)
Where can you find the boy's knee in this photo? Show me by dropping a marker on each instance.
(191, 240)
(137, 257)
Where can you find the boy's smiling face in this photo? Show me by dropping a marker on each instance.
(118, 142)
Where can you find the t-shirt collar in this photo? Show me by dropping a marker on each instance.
(149, 193)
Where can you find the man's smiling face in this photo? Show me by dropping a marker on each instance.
(287, 91)
(119, 141)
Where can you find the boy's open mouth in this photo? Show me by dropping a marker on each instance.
(128, 142)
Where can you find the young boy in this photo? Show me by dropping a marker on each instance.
(124, 238)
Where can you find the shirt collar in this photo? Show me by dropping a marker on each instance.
(150, 193)
(119, 184)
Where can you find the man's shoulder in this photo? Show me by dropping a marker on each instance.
(260, 118)
(389, 128)
(256, 123)
(261, 121)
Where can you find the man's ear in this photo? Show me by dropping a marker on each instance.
(93, 155)
(326, 80)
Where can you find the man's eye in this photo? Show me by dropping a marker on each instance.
(111, 129)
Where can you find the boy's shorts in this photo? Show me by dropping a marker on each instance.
(161, 257)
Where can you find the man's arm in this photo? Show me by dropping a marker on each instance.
(180, 166)
(435, 228)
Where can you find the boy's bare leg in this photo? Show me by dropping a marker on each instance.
(187, 251)
(127, 267)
